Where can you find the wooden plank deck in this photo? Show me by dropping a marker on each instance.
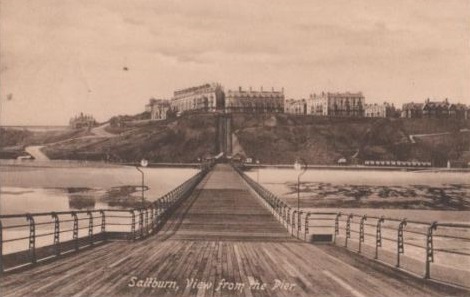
(225, 241)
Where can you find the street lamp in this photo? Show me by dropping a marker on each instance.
(301, 166)
(257, 172)
(143, 163)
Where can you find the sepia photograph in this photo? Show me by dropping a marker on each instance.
(261, 148)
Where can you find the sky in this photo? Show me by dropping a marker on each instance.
(62, 57)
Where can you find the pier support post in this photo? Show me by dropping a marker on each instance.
(400, 241)
(75, 229)
(103, 226)
(307, 222)
(152, 222)
(378, 236)
(56, 233)
(288, 218)
(32, 238)
(284, 214)
(90, 227)
(1, 247)
(299, 223)
(278, 209)
(361, 232)
(146, 222)
(429, 249)
(141, 223)
(336, 226)
(159, 207)
(348, 229)
(293, 222)
(132, 225)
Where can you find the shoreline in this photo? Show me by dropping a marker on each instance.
(359, 168)
(246, 167)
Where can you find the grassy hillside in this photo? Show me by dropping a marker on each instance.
(13, 141)
(271, 138)
(181, 140)
(281, 138)
(14, 137)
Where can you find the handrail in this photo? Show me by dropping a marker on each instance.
(160, 210)
(286, 215)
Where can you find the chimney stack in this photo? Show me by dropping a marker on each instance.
(239, 88)
(261, 88)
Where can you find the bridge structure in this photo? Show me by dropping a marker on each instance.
(218, 234)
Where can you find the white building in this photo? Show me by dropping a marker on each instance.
(253, 101)
(207, 97)
(336, 104)
(381, 110)
(158, 108)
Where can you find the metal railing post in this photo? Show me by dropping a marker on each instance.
(272, 203)
(336, 226)
(307, 222)
(32, 238)
(164, 202)
(159, 207)
(141, 223)
(56, 233)
(288, 218)
(156, 216)
(378, 236)
(90, 227)
(103, 225)
(284, 214)
(162, 205)
(146, 222)
(133, 235)
(75, 229)
(348, 229)
(1, 247)
(152, 222)
(293, 222)
(400, 241)
(361, 232)
(275, 204)
(299, 222)
(429, 249)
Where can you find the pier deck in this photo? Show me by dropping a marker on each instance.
(222, 236)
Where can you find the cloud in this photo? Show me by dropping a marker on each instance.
(57, 45)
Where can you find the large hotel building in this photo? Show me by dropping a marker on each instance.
(328, 104)
(207, 97)
(254, 101)
(211, 97)
(336, 104)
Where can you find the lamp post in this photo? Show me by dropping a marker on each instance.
(257, 171)
(301, 166)
(143, 163)
(199, 160)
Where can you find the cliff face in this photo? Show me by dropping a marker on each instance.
(271, 138)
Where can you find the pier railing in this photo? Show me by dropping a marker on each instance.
(27, 239)
(432, 250)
